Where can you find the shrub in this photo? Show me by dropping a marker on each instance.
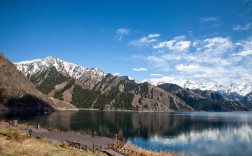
(64, 144)
(15, 135)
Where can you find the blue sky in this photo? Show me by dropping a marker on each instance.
(207, 40)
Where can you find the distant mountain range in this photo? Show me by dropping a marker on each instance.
(203, 99)
(239, 88)
(92, 88)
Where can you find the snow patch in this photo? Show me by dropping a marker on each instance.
(73, 70)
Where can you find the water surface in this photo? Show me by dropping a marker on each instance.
(196, 133)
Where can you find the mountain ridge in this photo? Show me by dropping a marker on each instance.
(91, 91)
(240, 88)
(70, 69)
(93, 88)
(82, 73)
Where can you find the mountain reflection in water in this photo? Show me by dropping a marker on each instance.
(193, 133)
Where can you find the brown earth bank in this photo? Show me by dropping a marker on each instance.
(15, 139)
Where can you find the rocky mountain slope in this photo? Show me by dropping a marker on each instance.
(17, 92)
(30, 68)
(203, 100)
(88, 90)
(241, 88)
(247, 100)
(92, 88)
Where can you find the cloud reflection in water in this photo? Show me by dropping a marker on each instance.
(223, 141)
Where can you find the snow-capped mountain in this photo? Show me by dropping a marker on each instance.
(240, 88)
(78, 72)
(96, 89)
(81, 73)
(49, 75)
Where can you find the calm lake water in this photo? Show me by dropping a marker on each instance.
(197, 133)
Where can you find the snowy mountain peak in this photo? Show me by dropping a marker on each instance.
(240, 88)
(81, 73)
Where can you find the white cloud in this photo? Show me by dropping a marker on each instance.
(217, 41)
(244, 53)
(216, 45)
(183, 67)
(215, 59)
(208, 19)
(242, 27)
(121, 32)
(211, 21)
(153, 35)
(245, 46)
(176, 44)
(156, 75)
(140, 69)
(145, 41)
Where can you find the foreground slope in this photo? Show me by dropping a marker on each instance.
(17, 92)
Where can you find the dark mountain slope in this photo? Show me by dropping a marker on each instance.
(111, 93)
(17, 92)
(203, 100)
(247, 100)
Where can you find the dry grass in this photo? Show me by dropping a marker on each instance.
(32, 146)
(15, 143)
(149, 152)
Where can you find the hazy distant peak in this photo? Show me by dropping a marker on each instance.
(240, 88)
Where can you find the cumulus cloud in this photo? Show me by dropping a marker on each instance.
(246, 48)
(140, 69)
(176, 44)
(216, 59)
(242, 27)
(216, 45)
(190, 67)
(145, 41)
(121, 32)
(156, 75)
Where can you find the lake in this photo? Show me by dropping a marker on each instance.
(192, 133)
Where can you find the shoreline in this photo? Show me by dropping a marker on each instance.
(145, 111)
(113, 110)
(90, 142)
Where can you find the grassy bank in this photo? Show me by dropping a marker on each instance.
(13, 141)
(149, 152)
(16, 143)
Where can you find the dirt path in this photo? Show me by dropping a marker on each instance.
(75, 137)
(83, 139)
